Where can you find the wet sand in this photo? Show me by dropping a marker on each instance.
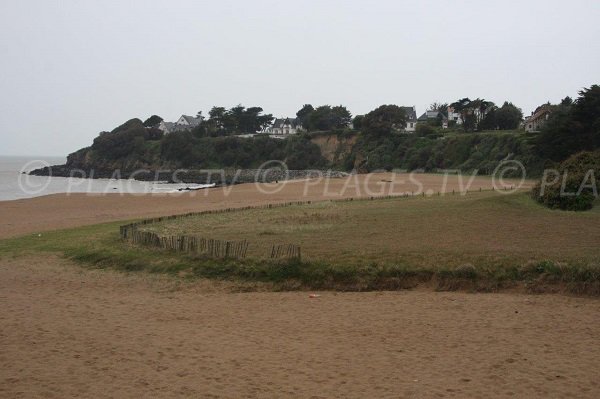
(62, 211)
(70, 332)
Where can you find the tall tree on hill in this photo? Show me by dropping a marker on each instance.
(508, 116)
(327, 117)
(341, 117)
(357, 122)
(463, 108)
(383, 120)
(473, 112)
(217, 116)
(252, 121)
(573, 126)
(153, 121)
(303, 115)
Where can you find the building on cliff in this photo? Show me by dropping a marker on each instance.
(284, 126)
(185, 122)
(538, 118)
(435, 117)
(411, 119)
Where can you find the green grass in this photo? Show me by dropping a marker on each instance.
(480, 228)
(482, 241)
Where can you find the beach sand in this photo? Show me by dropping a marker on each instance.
(67, 331)
(70, 332)
(61, 210)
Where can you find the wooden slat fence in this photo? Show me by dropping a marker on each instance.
(285, 251)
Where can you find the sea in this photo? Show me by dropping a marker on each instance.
(16, 184)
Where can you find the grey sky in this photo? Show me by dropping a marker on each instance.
(70, 69)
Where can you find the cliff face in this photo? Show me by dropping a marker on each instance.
(335, 148)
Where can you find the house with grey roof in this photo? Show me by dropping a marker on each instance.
(434, 116)
(185, 122)
(411, 119)
(284, 126)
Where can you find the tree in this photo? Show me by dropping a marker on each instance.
(341, 117)
(383, 120)
(357, 122)
(303, 115)
(153, 121)
(489, 120)
(508, 116)
(473, 112)
(217, 116)
(236, 120)
(326, 117)
(440, 107)
(462, 107)
(251, 120)
(573, 126)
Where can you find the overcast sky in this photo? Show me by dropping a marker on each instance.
(70, 69)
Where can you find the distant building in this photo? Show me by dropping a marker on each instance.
(284, 126)
(434, 116)
(411, 119)
(453, 116)
(185, 122)
(538, 118)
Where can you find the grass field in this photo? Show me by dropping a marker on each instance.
(480, 228)
(487, 238)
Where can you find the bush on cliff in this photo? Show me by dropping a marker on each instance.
(186, 150)
(466, 152)
(127, 140)
(573, 186)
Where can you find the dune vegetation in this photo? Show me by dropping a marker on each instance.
(479, 241)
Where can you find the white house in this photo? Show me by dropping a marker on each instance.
(454, 116)
(185, 122)
(283, 126)
(411, 119)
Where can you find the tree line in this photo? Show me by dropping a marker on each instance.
(573, 126)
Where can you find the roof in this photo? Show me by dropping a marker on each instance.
(540, 112)
(279, 122)
(429, 115)
(193, 121)
(411, 113)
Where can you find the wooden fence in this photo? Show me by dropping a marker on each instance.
(191, 244)
(289, 251)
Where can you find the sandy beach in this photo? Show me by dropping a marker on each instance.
(70, 210)
(67, 331)
(70, 332)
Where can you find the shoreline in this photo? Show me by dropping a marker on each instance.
(226, 176)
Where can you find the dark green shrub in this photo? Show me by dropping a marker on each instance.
(573, 186)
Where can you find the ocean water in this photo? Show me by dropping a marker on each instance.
(16, 185)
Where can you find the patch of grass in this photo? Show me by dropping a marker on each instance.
(482, 242)
(483, 229)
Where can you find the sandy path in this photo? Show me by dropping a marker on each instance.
(68, 332)
(62, 211)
